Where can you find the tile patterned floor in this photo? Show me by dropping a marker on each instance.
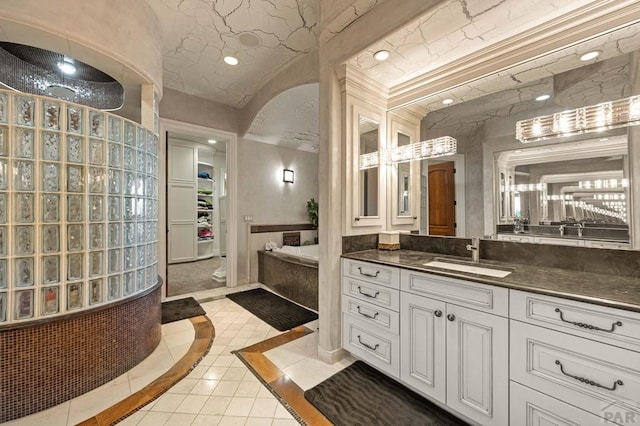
(221, 390)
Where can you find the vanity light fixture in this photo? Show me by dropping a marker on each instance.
(287, 176)
(231, 60)
(447, 101)
(610, 196)
(603, 184)
(593, 118)
(212, 141)
(432, 148)
(381, 55)
(542, 98)
(590, 55)
(526, 187)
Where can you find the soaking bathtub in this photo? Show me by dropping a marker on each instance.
(291, 272)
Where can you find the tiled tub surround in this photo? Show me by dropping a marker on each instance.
(45, 363)
(292, 277)
(78, 208)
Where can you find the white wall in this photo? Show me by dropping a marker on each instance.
(263, 195)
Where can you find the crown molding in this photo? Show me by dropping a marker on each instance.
(354, 82)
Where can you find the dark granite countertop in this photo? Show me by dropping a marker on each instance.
(602, 289)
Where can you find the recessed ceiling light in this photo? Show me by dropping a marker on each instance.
(381, 55)
(66, 66)
(231, 60)
(447, 101)
(590, 55)
(249, 39)
(543, 97)
(212, 141)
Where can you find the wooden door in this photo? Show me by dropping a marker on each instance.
(442, 210)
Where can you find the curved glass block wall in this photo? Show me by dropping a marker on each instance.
(78, 208)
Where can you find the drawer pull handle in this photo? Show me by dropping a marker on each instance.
(367, 294)
(438, 313)
(589, 382)
(373, 348)
(589, 326)
(367, 315)
(368, 275)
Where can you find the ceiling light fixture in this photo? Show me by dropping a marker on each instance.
(231, 60)
(66, 66)
(542, 98)
(381, 55)
(590, 55)
(212, 141)
(593, 118)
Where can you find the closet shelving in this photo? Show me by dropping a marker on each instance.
(205, 195)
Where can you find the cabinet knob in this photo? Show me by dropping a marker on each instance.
(438, 313)
(451, 317)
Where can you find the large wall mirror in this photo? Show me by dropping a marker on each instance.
(369, 182)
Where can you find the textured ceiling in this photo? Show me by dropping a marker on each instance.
(198, 34)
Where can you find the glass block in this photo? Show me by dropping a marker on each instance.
(75, 208)
(151, 279)
(50, 115)
(50, 146)
(4, 141)
(154, 209)
(24, 207)
(4, 108)
(140, 208)
(141, 259)
(24, 239)
(114, 235)
(24, 110)
(141, 136)
(4, 240)
(148, 209)
(74, 296)
(148, 140)
(152, 162)
(50, 238)
(114, 208)
(50, 269)
(154, 231)
(4, 174)
(50, 299)
(129, 183)
(129, 158)
(75, 236)
(140, 185)
(50, 177)
(140, 234)
(3, 206)
(96, 236)
(114, 128)
(23, 304)
(96, 151)
(75, 179)
(96, 208)
(24, 143)
(3, 307)
(129, 233)
(95, 263)
(3, 273)
(149, 252)
(113, 287)
(50, 208)
(74, 266)
(129, 133)
(129, 258)
(129, 282)
(95, 291)
(96, 124)
(24, 175)
(23, 268)
(74, 119)
(140, 161)
(115, 184)
(115, 155)
(96, 180)
(140, 283)
(128, 208)
(75, 149)
(113, 261)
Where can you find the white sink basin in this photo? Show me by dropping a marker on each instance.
(472, 269)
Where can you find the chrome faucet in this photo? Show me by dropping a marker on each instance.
(474, 248)
(580, 227)
(562, 229)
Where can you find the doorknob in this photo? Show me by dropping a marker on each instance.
(438, 313)
(451, 317)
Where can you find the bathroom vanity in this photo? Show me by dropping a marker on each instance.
(505, 344)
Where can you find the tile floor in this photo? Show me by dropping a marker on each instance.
(221, 390)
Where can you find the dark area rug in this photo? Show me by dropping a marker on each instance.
(180, 309)
(360, 395)
(276, 311)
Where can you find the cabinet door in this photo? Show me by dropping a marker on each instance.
(477, 365)
(422, 345)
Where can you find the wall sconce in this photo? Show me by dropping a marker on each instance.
(592, 118)
(287, 176)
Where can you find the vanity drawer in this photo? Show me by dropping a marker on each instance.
(582, 319)
(607, 245)
(372, 293)
(531, 408)
(371, 314)
(581, 372)
(516, 238)
(482, 297)
(387, 276)
(373, 345)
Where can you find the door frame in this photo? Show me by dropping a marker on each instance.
(458, 181)
(168, 125)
